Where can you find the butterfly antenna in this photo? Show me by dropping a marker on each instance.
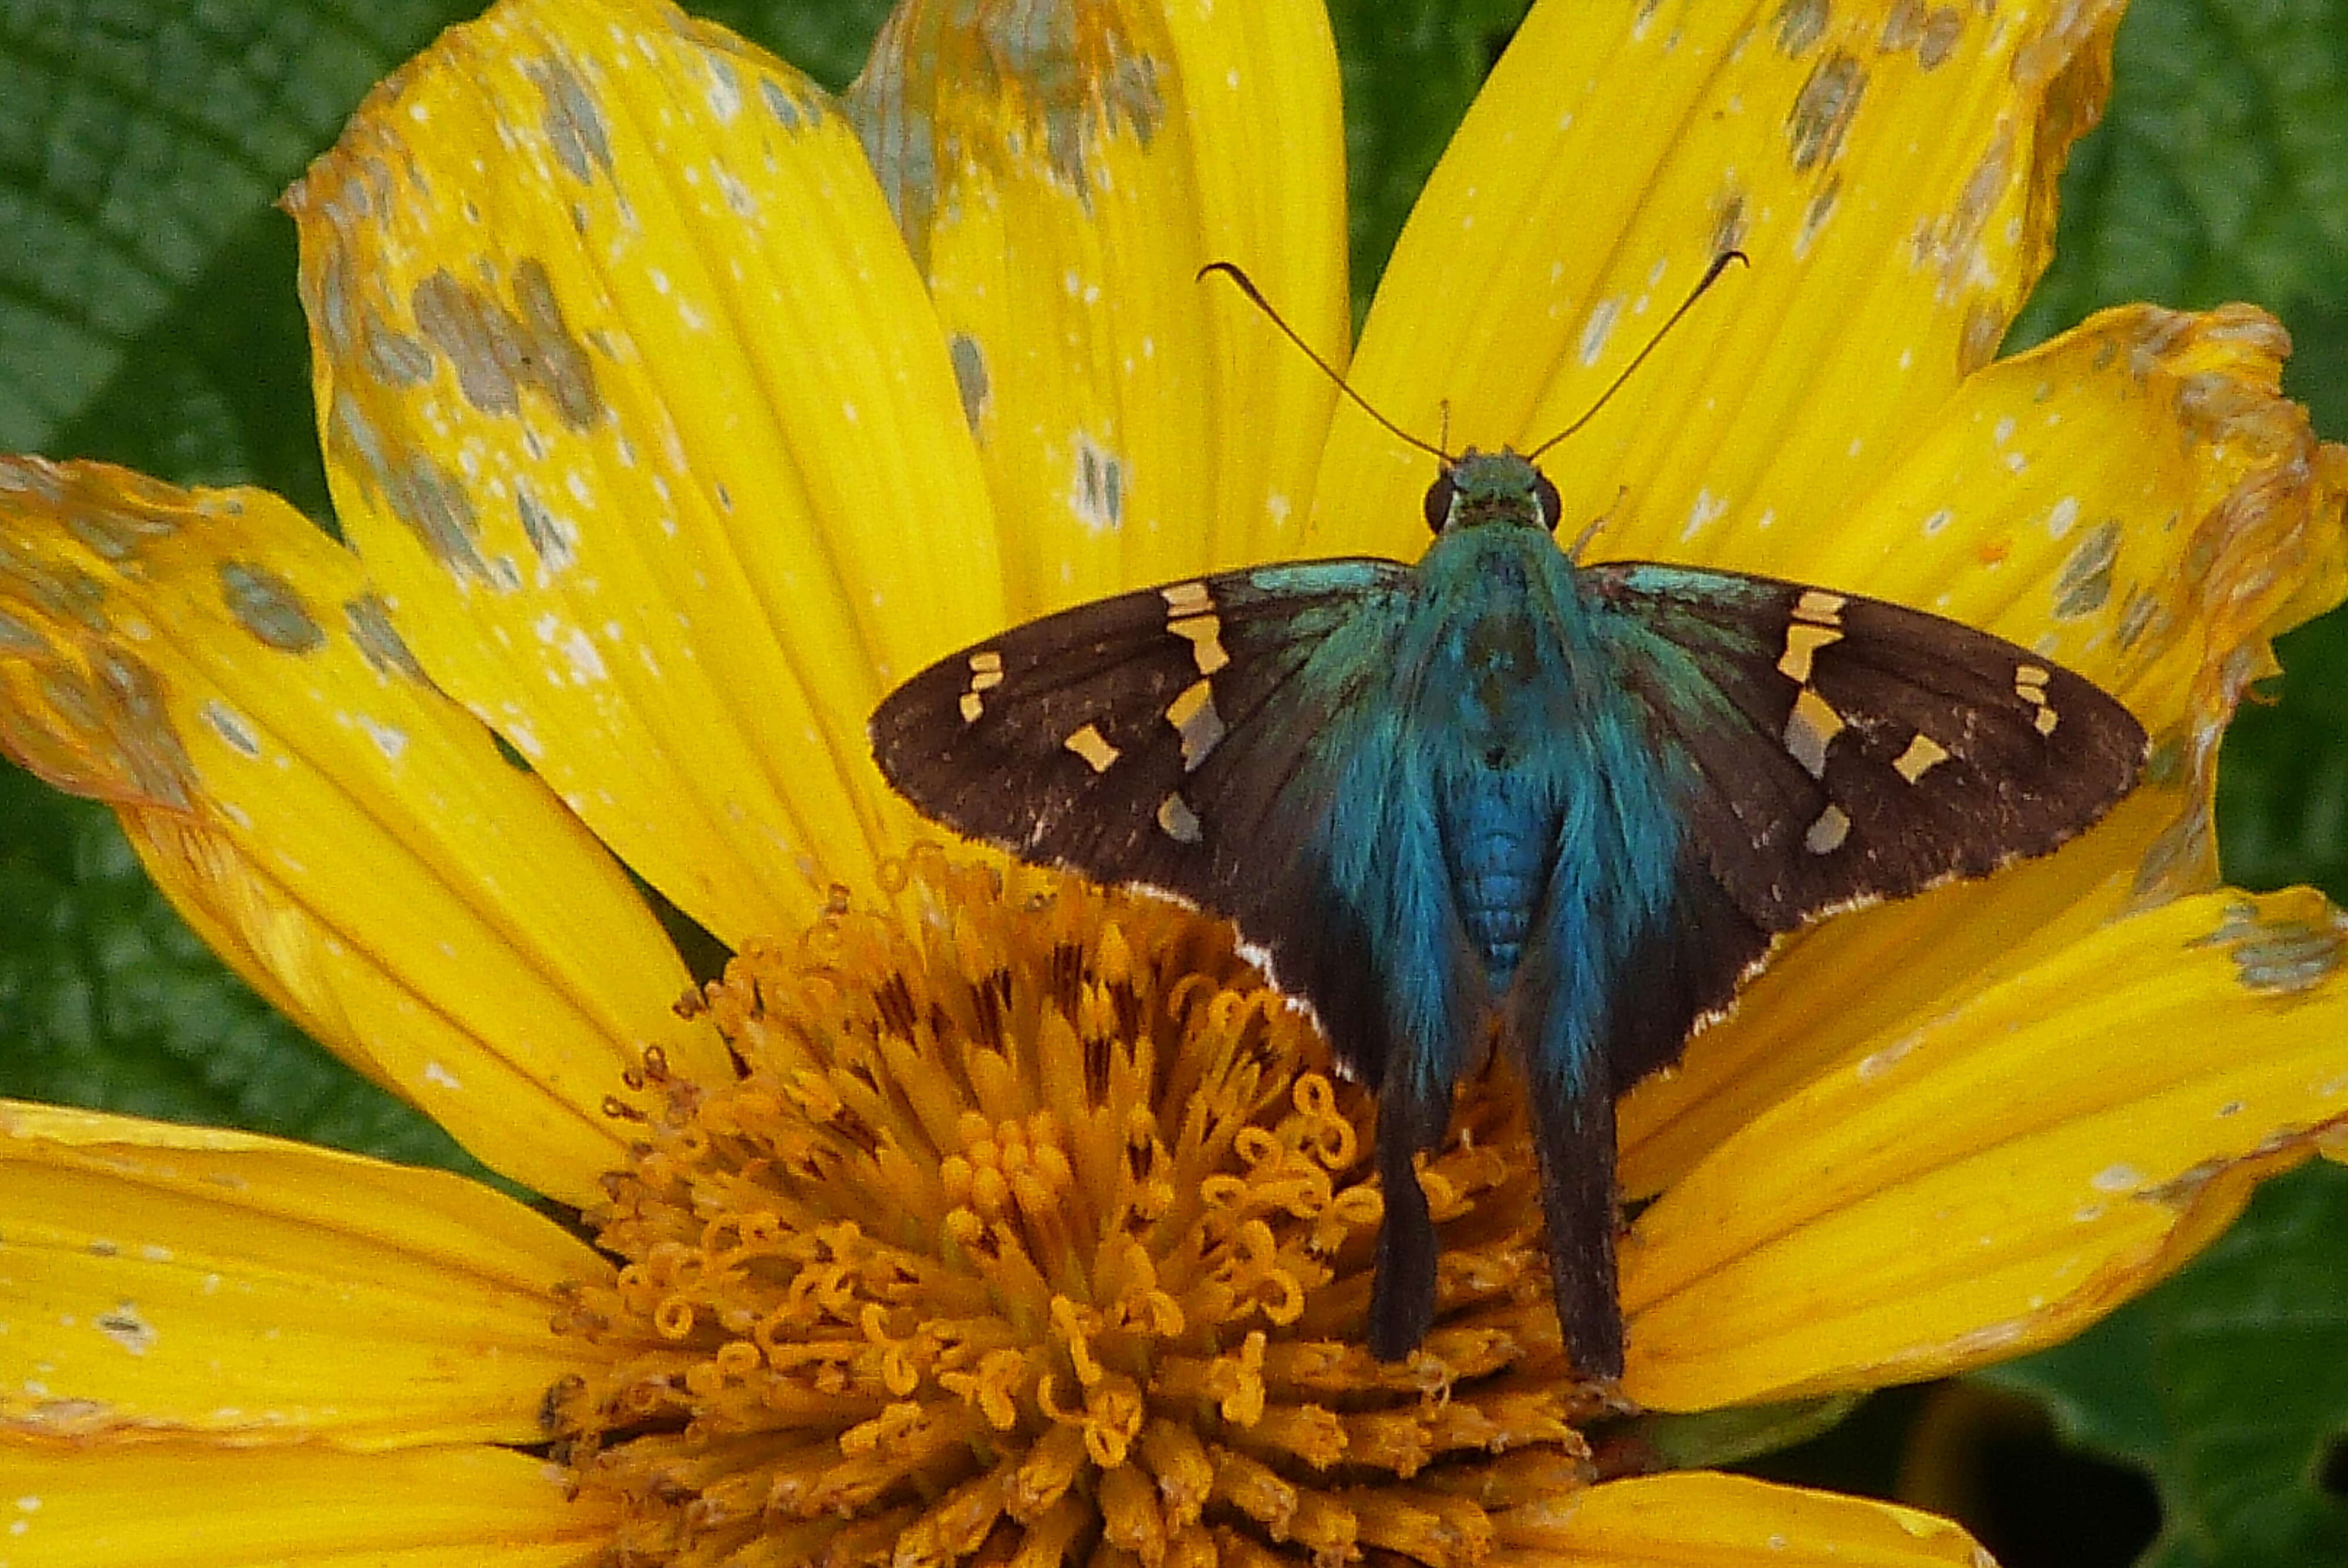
(1255, 297)
(1711, 276)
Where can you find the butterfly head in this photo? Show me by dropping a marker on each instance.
(1478, 488)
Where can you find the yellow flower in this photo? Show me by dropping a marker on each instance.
(961, 1223)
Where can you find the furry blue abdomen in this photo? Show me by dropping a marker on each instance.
(1501, 843)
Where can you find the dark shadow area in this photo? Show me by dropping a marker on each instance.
(1992, 1461)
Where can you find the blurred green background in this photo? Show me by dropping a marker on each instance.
(148, 316)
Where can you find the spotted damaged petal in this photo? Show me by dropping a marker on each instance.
(1501, 795)
(226, 676)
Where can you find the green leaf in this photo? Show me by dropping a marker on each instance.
(1410, 71)
(215, 390)
(147, 312)
(2283, 778)
(2220, 170)
(2228, 1384)
(146, 295)
(108, 1001)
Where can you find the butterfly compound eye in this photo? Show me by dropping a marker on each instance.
(1546, 494)
(1439, 496)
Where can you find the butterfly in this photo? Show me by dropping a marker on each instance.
(1501, 795)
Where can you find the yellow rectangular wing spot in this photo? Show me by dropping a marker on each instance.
(1923, 755)
(1819, 608)
(1094, 747)
(1810, 728)
(1827, 834)
(1194, 718)
(1803, 639)
(1205, 633)
(1187, 598)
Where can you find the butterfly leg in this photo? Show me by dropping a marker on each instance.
(1574, 1130)
(1402, 1292)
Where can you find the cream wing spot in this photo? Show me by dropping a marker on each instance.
(1094, 747)
(1177, 820)
(1819, 606)
(2029, 685)
(985, 675)
(1190, 615)
(1810, 728)
(1194, 718)
(1816, 622)
(1205, 634)
(1827, 834)
(1803, 640)
(1923, 755)
(1187, 599)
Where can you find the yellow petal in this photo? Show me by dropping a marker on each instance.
(1839, 990)
(217, 670)
(1063, 175)
(1888, 167)
(1700, 1520)
(635, 406)
(2134, 499)
(1999, 1175)
(187, 1505)
(168, 1280)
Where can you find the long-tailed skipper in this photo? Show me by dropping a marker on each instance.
(1499, 794)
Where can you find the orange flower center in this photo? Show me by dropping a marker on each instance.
(1033, 1226)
